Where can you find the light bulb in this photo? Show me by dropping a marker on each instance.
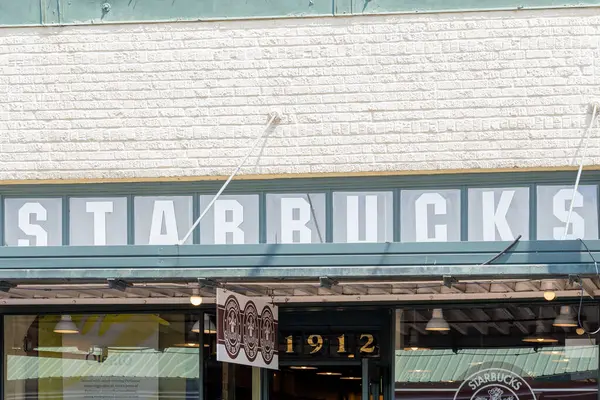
(195, 300)
(549, 295)
(580, 331)
(548, 288)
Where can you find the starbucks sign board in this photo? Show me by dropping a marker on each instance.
(416, 215)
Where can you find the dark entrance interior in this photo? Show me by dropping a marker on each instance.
(332, 354)
(316, 383)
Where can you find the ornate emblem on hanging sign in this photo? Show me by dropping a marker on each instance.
(251, 331)
(268, 334)
(231, 327)
(246, 330)
(495, 384)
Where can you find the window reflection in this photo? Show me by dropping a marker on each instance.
(222, 380)
(101, 356)
(438, 350)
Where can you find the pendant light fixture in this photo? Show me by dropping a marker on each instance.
(437, 321)
(548, 288)
(66, 325)
(540, 335)
(209, 326)
(565, 318)
(413, 338)
(413, 341)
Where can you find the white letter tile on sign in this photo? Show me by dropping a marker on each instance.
(162, 220)
(33, 222)
(296, 218)
(363, 217)
(498, 214)
(98, 221)
(553, 203)
(430, 215)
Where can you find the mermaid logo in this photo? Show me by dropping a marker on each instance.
(495, 384)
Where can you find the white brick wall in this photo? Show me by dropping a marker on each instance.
(380, 93)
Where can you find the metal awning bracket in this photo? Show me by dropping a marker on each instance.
(449, 281)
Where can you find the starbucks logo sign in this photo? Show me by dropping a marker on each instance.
(247, 329)
(494, 384)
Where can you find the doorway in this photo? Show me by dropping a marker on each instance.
(351, 381)
(332, 354)
(316, 383)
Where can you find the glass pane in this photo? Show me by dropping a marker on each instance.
(101, 356)
(222, 381)
(497, 352)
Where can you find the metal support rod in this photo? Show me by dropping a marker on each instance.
(265, 383)
(3, 355)
(201, 362)
(598, 369)
(579, 170)
(182, 241)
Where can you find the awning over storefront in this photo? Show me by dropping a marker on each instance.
(298, 272)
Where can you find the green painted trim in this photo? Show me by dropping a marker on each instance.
(415, 260)
(419, 6)
(22, 12)
(94, 11)
(266, 261)
(268, 273)
(2, 242)
(130, 220)
(84, 12)
(598, 197)
(262, 217)
(533, 212)
(464, 213)
(397, 211)
(532, 248)
(342, 7)
(329, 216)
(66, 221)
(196, 211)
(302, 185)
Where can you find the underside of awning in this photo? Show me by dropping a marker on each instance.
(289, 291)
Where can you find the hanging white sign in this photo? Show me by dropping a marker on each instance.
(246, 330)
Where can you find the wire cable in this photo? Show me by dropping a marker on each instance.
(582, 294)
(576, 186)
(497, 256)
(234, 173)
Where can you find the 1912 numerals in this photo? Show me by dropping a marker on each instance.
(315, 343)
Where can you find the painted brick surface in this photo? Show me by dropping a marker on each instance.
(379, 93)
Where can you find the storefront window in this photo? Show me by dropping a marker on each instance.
(222, 381)
(101, 356)
(497, 352)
